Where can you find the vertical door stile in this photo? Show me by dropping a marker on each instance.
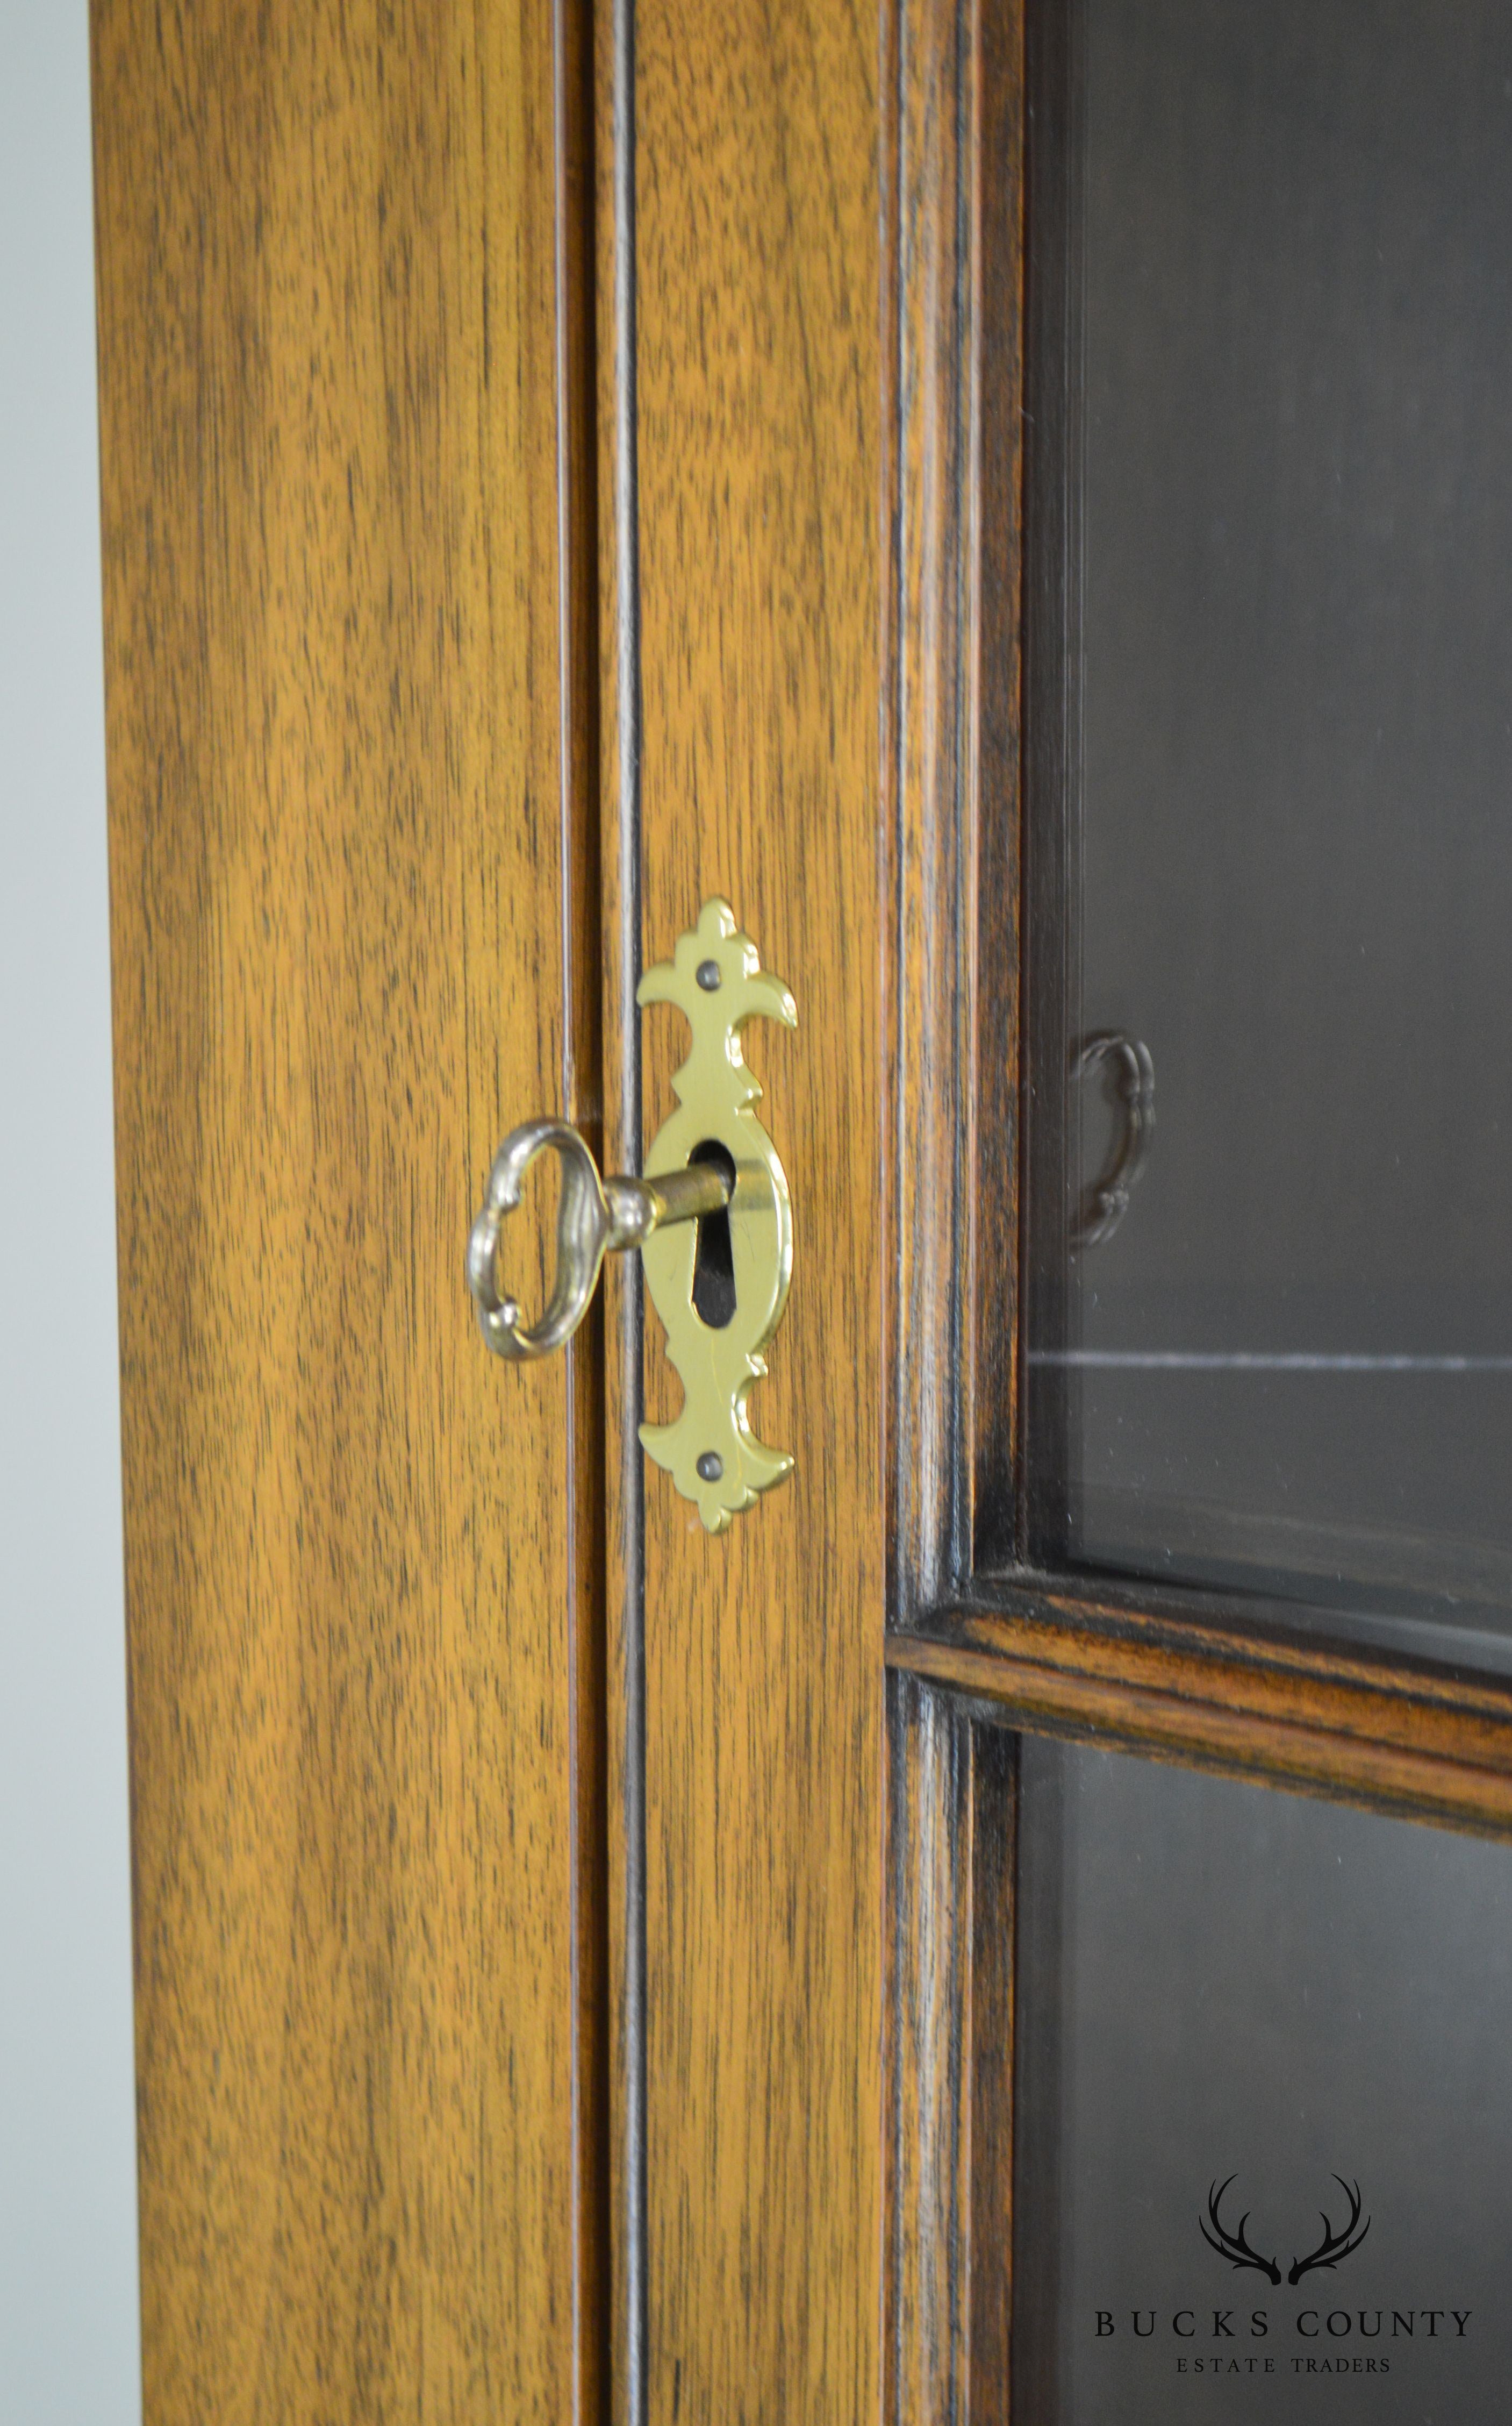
(740, 632)
(623, 1139)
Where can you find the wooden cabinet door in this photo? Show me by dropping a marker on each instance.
(559, 466)
(344, 308)
(1145, 649)
(1197, 2095)
(493, 444)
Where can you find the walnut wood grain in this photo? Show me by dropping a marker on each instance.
(928, 2066)
(365, 1640)
(757, 425)
(1110, 1667)
(953, 313)
(952, 1780)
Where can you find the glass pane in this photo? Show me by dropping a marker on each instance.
(1261, 2038)
(1273, 496)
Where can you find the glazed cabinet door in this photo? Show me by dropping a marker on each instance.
(1200, 1713)
(976, 531)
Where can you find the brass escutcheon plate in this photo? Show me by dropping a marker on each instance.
(716, 980)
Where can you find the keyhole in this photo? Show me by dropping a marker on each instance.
(714, 1262)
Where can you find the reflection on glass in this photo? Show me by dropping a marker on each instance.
(1265, 2101)
(1287, 788)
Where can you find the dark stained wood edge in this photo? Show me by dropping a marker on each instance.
(927, 2138)
(953, 314)
(931, 322)
(577, 517)
(951, 1792)
(1116, 1670)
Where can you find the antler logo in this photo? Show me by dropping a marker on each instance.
(1233, 2245)
(1333, 2247)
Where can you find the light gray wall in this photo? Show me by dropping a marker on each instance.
(69, 2352)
